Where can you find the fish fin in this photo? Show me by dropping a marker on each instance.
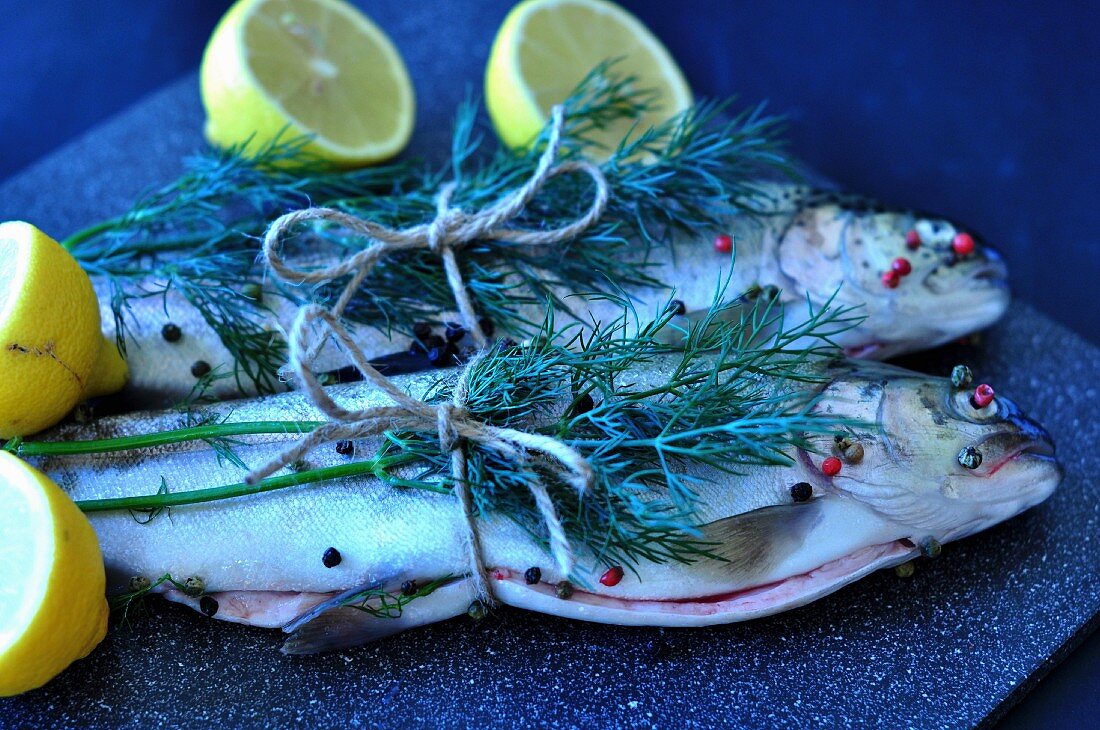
(754, 542)
(339, 628)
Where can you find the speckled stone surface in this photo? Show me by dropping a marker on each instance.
(953, 646)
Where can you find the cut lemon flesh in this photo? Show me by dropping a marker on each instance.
(545, 48)
(306, 67)
(52, 605)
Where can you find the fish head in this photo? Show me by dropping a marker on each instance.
(844, 245)
(938, 465)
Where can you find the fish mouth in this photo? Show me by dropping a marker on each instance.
(727, 607)
(1029, 450)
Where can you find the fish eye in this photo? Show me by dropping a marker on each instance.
(961, 404)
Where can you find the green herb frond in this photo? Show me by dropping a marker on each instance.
(655, 420)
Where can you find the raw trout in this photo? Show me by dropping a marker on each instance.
(262, 557)
(812, 245)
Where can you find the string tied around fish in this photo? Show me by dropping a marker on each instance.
(450, 230)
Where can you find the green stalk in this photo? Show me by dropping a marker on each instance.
(91, 232)
(241, 489)
(142, 441)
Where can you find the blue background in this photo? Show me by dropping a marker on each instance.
(983, 111)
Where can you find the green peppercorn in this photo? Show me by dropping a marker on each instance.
(564, 589)
(139, 583)
(961, 376)
(477, 611)
(905, 570)
(253, 291)
(931, 548)
(194, 586)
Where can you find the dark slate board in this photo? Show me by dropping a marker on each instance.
(954, 646)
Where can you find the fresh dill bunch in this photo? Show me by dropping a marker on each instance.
(652, 420)
(200, 235)
(686, 175)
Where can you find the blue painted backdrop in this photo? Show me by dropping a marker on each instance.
(984, 111)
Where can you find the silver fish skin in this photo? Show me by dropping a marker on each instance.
(260, 556)
(812, 245)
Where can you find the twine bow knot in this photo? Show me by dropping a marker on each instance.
(451, 229)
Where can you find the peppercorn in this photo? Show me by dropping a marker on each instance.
(612, 576)
(961, 376)
(331, 558)
(581, 406)
(139, 583)
(769, 292)
(853, 454)
(802, 491)
(532, 575)
(931, 548)
(200, 368)
(723, 243)
(902, 266)
(171, 332)
(477, 611)
(208, 605)
(831, 466)
(487, 326)
(421, 330)
(982, 397)
(963, 244)
(677, 307)
(408, 587)
(194, 586)
(891, 279)
(564, 589)
(345, 448)
(454, 332)
(970, 458)
(905, 570)
(912, 240)
(252, 291)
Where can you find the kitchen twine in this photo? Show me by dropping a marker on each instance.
(451, 230)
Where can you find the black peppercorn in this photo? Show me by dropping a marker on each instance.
(581, 406)
(200, 368)
(441, 357)
(532, 575)
(421, 330)
(802, 491)
(171, 332)
(454, 332)
(345, 448)
(331, 558)
(677, 307)
(208, 605)
(487, 326)
(408, 587)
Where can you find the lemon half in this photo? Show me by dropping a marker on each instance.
(52, 605)
(545, 48)
(298, 67)
(52, 352)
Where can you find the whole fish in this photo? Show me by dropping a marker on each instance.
(265, 558)
(811, 246)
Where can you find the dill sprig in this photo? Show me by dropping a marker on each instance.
(739, 391)
(200, 235)
(686, 175)
(655, 421)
